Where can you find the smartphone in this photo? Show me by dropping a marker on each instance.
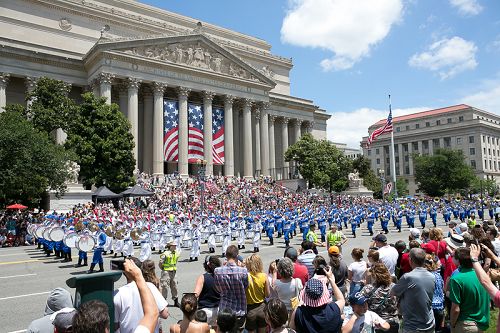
(117, 265)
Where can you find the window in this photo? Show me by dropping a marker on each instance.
(415, 146)
(488, 139)
(425, 144)
(495, 165)
(387, 160)
(489, 151)
(473, 164)
(459, 141)
(461, 118)
(427, 124)
(447, 142)
(396, 149)
(484, 139)
(471, 139)
(435, 143)
(407, 128)
(397, 159)
(397, 172)
(407, 158)
(472, 151)
(377, 151)
(417, 126)
(405, 148)
(484, 151)
(398, 129)
(494, 152)
(407, 170)
(369, 152)
(485, 164)
(378, 160)
(438, 122)
(448, 120)
(490, 165)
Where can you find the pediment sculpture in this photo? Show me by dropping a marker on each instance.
(196, 55)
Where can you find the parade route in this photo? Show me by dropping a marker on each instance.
(27, 276)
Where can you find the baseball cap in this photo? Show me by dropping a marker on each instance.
(63, 319)
(357, 299)
(334, 250)
(414, 232)
(380, 238)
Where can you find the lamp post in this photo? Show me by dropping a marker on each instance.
(381, 173)
(201, 180)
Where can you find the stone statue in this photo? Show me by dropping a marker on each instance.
(217, 64)
(73, 170)
(354, 180)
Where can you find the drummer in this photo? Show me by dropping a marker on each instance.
(97, 257)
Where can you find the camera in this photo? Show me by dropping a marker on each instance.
(117, 265)
(320, 270)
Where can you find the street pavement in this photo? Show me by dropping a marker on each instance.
(27, 276)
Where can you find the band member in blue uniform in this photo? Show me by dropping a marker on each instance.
(97, 257)
(422, 216)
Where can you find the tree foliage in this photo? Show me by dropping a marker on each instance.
(320, 162)
(484, 186)
(30, 163)
(370, 179)
(445, 171)
(100, 136)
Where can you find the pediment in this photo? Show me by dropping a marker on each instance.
(194, 51)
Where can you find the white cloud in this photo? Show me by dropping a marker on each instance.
(348, 28)
(467, 7)
(447, 56)
(350, 127)
(487, 97)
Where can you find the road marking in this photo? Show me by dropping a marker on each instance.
(13, 254)
(26, 295)
(15, 276)
(20, 331)
(20, 262)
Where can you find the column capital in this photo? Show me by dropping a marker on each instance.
(228, 99)
(159, 88)
(4, 79)
(208, 96)
(183, 91)
(265, 105)
(272, 118)
(285, 120)
(299, 122)
(309, 125)
(257, 114)
(133, 83)
(247, 102)
(105, 78)
(30, 83)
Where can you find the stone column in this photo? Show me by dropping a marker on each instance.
(410, 158)
(284, 140)
(158, 155)
(298, 124)
(420, 149)
(247, 139)
(183, 166)
(431, 147)
(208, 96)
(264, 140)
(105, 81)
(133, 113)
(272, 148)
(123, 98)
(237, 139)
(4, 80)
(147, 142)
(258, 162)
(228, 137)
(30, 86)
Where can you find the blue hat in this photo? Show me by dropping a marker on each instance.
(357, 299)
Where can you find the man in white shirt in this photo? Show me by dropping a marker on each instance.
(362, 320)
(128, 308)
(387, 254)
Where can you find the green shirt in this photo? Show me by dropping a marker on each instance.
(312, 237)
(473, 299)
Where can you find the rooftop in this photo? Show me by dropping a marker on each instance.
(424, 114)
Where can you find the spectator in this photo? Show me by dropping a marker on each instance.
(59, 298)
(454, 242)
(436, 240)
(414, 235)
(415, 291)
(128, 308)
(400, 246)
(272, 270)
(63, 320)
(318, 314)
(276, 316)
(226, 320)
(463, 229)
(231, 281)
(470, 306)
(286, 287)
(378, 295)
(373, 257)
(92, 317)
(339, 268)
(307, 256)
(388, 254)
(405, 258)
(208, 297)
(492, 234)
(201, 316)
(425, 236)
(433, 265)
(189, 305)
(258, 289)
(149, 273)
(299, 271)
(362, 319)
(357, 270)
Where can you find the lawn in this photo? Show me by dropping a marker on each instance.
(493, 321)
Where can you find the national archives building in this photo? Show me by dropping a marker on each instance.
(145, 59)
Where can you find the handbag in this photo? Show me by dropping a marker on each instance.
(294, 301)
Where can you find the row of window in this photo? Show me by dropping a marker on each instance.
(428, 123)
(425, 145)
(490, 140)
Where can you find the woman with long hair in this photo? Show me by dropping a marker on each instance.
(189, 305)
(148, 271)
(208, 297)
(339, 268)
(356, 272)
(378, 294)
(258, 289)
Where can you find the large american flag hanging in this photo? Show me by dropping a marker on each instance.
(387, 128)
(195, 138)
(171, 130)
(218, 135)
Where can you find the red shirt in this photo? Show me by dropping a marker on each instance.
(449, 268)
(300, 272)
(440, 250)
(405, 263)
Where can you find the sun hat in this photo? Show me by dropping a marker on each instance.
(455, 241)
(315, 293)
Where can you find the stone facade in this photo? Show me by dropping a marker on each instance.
(475, 132)
(136, 55)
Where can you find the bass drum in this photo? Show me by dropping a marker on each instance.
(85, 243)
(56, 234)
(70, 239)
(39, 231)
(46, 233)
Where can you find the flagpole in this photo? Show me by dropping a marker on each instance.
(393, 159)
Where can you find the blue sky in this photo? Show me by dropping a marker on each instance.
(349, 55)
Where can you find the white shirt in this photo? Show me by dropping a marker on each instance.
(358, 269)
(389, 256)
(287, 291)
(364, 323)
(128, 307)
(496, 245)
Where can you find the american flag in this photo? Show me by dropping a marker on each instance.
(212, 187)
(171, 130)
(218, 135)
(387, 128)
(195, 138)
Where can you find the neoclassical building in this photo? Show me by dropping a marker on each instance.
(139, 56)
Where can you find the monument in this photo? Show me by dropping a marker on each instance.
(75, 193)
(356, 187)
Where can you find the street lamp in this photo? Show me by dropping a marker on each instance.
(201, 180)
(381, 173)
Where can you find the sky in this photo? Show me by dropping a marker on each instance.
(349, 55)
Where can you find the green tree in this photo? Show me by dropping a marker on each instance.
(100, 136)
(484, 186)
(370, 179)
(30, 163)
(320, 163)
(402, 187)
(445, 171)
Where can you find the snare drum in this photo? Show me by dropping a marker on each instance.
(39, 231)
(56, 234)
(70, 239)
(85, 243)
(218, 238)
(250, 234)
(234, 233)
(46, 233)
(186, 243)
(155, 237)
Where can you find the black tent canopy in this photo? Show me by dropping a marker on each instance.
(136, 191)
(105, 193)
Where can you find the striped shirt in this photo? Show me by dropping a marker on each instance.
(231, 282)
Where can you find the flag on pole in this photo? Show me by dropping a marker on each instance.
(388, 188)
(171, 130)
(387, 128)
(218, 135)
